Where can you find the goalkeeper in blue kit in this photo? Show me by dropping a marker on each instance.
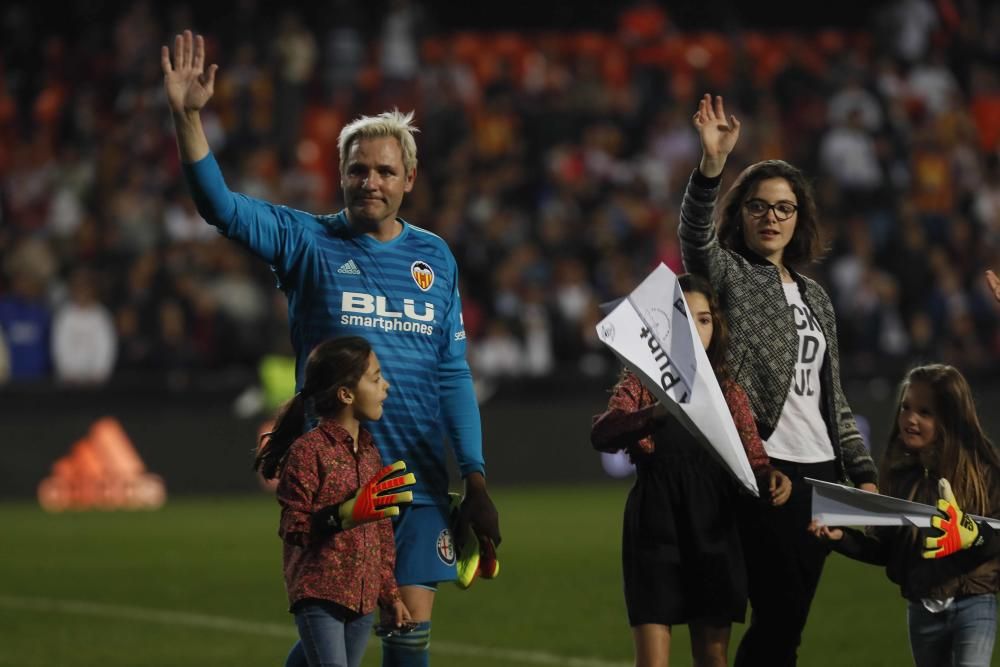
(364, 271)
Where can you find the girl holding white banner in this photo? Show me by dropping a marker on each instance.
(680, 549)
(784, 354)
(951, 599)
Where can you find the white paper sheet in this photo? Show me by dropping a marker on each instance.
(839, 505)
(653, 335)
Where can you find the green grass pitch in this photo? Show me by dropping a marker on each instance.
(199, 583)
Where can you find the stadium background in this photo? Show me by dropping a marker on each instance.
(555, 144)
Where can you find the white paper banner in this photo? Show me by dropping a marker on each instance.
(674, 336)
(653, 335)
(839, 505)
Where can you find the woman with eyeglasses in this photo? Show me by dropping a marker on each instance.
(784, 353)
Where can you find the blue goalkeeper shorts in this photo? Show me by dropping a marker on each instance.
(425, 550)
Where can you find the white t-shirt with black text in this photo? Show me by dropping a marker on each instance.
(801, 434)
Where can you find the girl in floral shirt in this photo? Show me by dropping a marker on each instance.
(339, 551)
(681, 553)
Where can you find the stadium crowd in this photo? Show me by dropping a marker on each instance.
(552, 162)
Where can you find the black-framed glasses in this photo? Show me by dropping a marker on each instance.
(758, 208)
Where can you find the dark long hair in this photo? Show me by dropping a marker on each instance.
(334, 363)
(719, 345)
(807, 244)
(961, 453)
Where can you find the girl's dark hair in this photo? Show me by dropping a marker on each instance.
(961, 453)
(806, 245)
(334, 363)
(719, 345)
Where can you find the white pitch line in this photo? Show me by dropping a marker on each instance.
(145, 614)
(224, 623)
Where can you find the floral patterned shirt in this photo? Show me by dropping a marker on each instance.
(352, 568)
(628, 422)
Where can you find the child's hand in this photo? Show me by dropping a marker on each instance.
(395, 620)
(398, 614)
(377, 499)
(823, 532)
(958, 529)
(780, 487)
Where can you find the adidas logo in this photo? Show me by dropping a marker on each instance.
(350, 268)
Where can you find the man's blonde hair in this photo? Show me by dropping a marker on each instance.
(387, 124)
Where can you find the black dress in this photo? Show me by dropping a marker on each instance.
(681, 554)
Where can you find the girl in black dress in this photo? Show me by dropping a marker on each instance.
(681, 554)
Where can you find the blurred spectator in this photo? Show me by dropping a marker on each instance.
(906, 27)
(853, 98)
(670, 147)
(499, 353)
(173, 353)
(84, 341)
(848, 154)
(986, 200)
(932, 84)
(932, 188)
(867, 302)
(248, 97)
(555, 160)
(399, 57)
(240, 299)
(344, 49)
(799, 90)
(295, 55)
(985, 104)
(72, 180)
(536, 322)
(181, 221)
(27, 321)
(135, 216)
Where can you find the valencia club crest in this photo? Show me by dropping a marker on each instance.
(423, 274)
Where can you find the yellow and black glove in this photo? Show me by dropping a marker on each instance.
(959, 530)
(477, 559)
(377, 499)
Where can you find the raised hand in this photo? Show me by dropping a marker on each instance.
(718, 135)
(187, 84)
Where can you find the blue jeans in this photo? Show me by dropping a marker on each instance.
(961, 636)
(331, 636)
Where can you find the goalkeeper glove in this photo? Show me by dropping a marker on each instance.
(959, 530)
(478, 555)
(373, 501)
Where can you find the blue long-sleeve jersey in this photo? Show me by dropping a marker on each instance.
(401, 295)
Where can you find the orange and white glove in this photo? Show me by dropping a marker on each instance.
(959, 530)
(377, 499)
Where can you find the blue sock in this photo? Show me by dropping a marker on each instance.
(409, 650)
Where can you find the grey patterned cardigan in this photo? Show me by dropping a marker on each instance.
(764, 340)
